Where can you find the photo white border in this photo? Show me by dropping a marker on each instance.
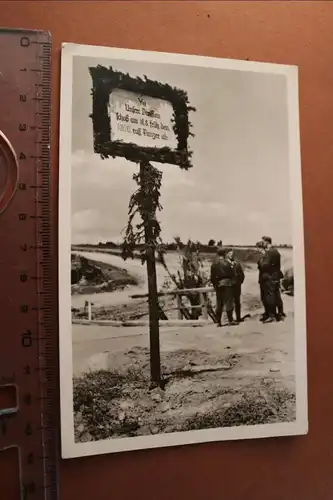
(70, 448)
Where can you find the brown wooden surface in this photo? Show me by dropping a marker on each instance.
(282, 32)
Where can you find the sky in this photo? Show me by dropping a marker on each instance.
(238, 188)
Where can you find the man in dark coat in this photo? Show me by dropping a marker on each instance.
(222, 278)
(261, 249)
(238, 280)
(271, 277)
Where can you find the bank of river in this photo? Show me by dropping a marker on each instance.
(136, 269)
(117, 297)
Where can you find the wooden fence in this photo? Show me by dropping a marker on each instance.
(179, 294)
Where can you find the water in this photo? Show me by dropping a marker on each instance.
(134, 267)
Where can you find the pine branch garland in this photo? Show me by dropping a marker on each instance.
(144, 203)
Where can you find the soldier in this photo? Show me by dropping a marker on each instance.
(272, 275)
(238, 280)
(261, 249)
(222, 278)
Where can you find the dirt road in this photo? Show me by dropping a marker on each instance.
(263, 347)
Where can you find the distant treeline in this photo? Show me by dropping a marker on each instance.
(206, 248)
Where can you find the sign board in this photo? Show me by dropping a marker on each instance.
(142, 120)
(139, 119)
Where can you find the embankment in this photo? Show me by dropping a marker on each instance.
(91, 276)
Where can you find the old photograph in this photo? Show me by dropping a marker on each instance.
(181, 255)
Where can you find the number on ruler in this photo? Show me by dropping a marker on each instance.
(26, 339)
(25, 41)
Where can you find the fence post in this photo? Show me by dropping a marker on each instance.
(179, 306)
(89, 311)
(203, 302)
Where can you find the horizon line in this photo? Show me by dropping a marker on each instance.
(172, 243)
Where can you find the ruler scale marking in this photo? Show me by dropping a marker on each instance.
(28, 350)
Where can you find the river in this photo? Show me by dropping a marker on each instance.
(135, 268)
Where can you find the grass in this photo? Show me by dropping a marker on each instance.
(113, 404)
(93, 395)
(102, 384)
(252, 409)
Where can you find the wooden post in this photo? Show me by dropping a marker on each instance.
(89, 311)
(179, 306)
(203, 302)
(154, 331)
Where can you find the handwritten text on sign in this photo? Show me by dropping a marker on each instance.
(142, 120)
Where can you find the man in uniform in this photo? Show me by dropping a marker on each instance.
(238, 280)
(222, 278)
(271, 277)
(261, 249)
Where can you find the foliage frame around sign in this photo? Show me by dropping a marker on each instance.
(107, 79)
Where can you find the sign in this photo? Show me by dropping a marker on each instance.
(141, 120)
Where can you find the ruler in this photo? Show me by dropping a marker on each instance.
(28, 350)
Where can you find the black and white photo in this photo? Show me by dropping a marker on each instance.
(181, 254)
